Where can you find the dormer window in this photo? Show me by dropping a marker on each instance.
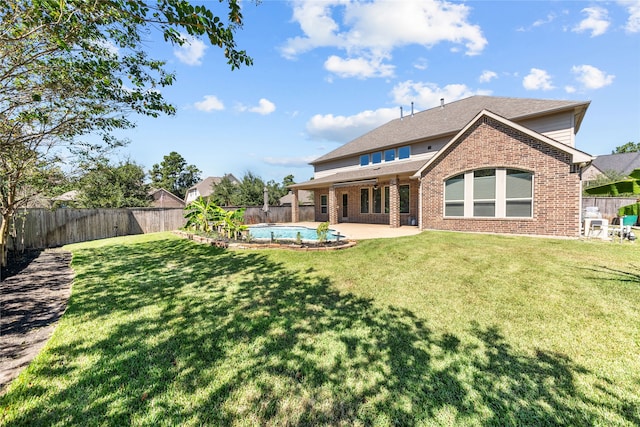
(404, 152)
(364, 160)
(376, 157)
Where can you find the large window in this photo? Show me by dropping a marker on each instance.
(493, 193)
(377, 200)
(519, 194)
(484, 192)
(454, 196)
(364, 200)
(404, 199)
(323, 203)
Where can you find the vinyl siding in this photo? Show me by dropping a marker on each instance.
(559, 127)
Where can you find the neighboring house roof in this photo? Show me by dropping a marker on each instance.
(165, 198)
(205, 187)
(69, 196)
(577, 156)
(624, 163)
(305, 197)
(449, 119)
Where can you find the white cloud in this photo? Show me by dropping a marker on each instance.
(549, 19)
(192, 50)
(295, 162)
(421, 64)
(592, 78)
(210, 103)
(597, 21)
(372, 30)
(633, 8)
(487, 76)
(264, 107)
(358, 67)
(537, 79)
(570, 89)
(346, 128)
(427, 95)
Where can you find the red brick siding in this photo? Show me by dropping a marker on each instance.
(489, 144)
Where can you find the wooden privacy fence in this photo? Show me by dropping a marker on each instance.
(608, 206)
(255, 215)
(43, 228)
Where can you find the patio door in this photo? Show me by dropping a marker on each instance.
(345, 205)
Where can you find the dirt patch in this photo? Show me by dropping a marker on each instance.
(33, 297)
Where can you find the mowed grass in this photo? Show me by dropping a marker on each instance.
(434, 329)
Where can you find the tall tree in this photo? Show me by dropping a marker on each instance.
(113, 186)
(226, 192)
(629, 147)
(73, 67)
(251, 190)
(174, 175)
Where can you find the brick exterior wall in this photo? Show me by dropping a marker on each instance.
(491, 144)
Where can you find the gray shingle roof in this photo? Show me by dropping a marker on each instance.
(406, 168)
(439, 121)
(622, 162)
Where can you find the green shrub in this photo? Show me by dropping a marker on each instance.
(322, 231)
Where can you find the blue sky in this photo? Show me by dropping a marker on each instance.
(328, 71)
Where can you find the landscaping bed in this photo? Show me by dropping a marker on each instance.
(266, 244)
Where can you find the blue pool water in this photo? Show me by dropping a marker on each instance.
(286, 232)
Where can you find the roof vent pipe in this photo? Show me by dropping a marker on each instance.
(441, 102)
(401, 117)
(411, 108)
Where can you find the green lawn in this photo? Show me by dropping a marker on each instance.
(434, 329)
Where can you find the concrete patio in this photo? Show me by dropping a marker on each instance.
(366, 231)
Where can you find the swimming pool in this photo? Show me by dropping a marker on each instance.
(289, 232)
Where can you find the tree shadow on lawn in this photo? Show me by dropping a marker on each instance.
(193, 335)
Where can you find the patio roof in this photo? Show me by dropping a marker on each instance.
(400, 168)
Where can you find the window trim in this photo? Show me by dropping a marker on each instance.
(501, 199)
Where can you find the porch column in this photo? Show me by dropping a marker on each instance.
(295, 208)
(333, 206)
(394, 203)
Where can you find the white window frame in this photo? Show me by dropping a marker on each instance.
(500, 200)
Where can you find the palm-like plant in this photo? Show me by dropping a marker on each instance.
(232, 222)
(200, 214)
